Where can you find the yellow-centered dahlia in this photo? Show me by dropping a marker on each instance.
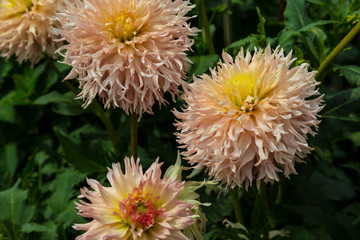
(250, 118)
(26, 28)
(128, 52)
(141, 205)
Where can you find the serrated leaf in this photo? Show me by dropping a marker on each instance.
(69, 216)
(5, 67)
(343, 105)
(80, 157)
(27, 81)
(14, 210)
(72, 107)
(51, 97)
(48, 229)
(296, 15)
(201, 64)
(246, 43)
(8, 155)
(350, 72)
(63, 190)
(8, 114)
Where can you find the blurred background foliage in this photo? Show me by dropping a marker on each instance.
(49, 144)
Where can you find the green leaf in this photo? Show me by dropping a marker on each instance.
(5, 67)
(14, 98)
(295, 14)
(260, 37)
(311, 26)
(47, 229)
(72, 107)
(79, 156)
(219, 208)
(8, 156)
(355, 137)
(28, 80)
(8, 114)
(69, 216)
(51, 97)
(63, 190)
(14, 210)
(350, 72)
(343, 105)
(246, 43)
(201, 64)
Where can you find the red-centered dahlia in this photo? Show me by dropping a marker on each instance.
(250, 118)
(140, 205)
(129, 52)
(25, 28)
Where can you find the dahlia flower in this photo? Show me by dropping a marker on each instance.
(250, 118)
(140, 205)
(25, 28)
(128, 52)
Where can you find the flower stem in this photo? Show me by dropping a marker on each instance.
(206, 27)
(95, 107)
(134, 135)
(334, 53)
(264, 197)
(227, 23)
(237, 207)
(5, 229)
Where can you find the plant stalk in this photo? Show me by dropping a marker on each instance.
(95, 107)
(134, 135)
(334, 53)
(264, 197)
(206, 27)
(227, 23)
(5, 229)
(237, 207)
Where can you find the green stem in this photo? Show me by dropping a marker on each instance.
(5, 229)
(134, 135)
(227, 23)
(279, 194)
(206, 27)
(334, 53)
(237, 207)
(95, 107)
(265, 200)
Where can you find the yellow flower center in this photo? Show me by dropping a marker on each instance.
(123, 27)
(20, 6)
(243, 91)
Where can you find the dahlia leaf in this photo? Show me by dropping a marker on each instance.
(350, 72)
(5, 67)
(47, 230)
(69, 108)
(246, 43)
(63, 190)
(296, 15)
(14, 210)
(51, 97)
(342, 105)
(80, 157)
(202, 64)
(28, 82)
(8, 114)
(8, 160)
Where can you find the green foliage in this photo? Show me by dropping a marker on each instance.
(14, 210)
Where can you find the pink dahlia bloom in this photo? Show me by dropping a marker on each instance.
(139, 205)
(25, 28)
(250, 118)
(129, 52)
